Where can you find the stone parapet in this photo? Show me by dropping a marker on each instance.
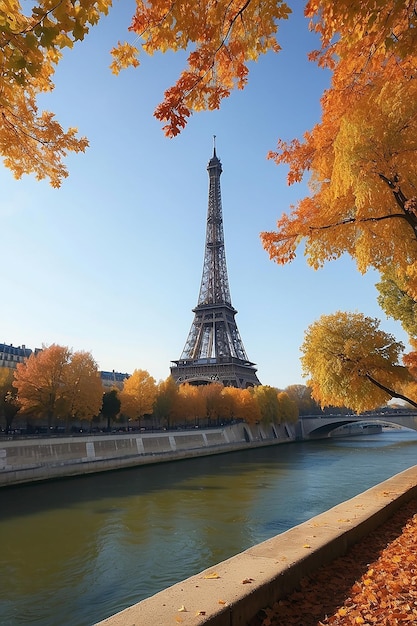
(28, 460)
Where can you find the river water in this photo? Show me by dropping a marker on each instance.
(75, 551)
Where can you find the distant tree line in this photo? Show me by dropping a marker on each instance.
(58, 389)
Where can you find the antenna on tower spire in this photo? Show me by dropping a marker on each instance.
(214, 145)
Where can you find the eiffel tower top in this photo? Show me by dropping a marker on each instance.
(214, 287)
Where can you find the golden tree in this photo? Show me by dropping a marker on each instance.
(165, 402)
(215, 403)
(84, 389)
(190, 404)
(352, 363)
(267, 399)
(288, 409)
(138, 395)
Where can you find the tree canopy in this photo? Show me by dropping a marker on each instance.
(56, 382)
(352, 363)
(361, 156)
(359, 41)
(138, 395)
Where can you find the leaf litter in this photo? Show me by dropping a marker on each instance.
(374, 584)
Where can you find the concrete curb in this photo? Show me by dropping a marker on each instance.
(232, 592)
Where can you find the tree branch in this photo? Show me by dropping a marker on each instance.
(390, 392)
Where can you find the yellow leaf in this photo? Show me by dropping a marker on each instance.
(212, 575)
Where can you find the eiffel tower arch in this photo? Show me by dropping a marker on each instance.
(214, 351)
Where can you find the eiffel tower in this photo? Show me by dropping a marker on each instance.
(214, 351)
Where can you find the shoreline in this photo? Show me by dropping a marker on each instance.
(33, 460)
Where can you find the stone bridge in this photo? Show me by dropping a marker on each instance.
(316, 427)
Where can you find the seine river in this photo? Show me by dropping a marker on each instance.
(75, 551)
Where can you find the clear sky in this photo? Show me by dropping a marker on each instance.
(111, 262)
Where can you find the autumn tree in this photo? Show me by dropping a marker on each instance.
(111, 406)
(240, 404)
(164, 408)
(40, 383)
(214, 401)
(248, 406)
(395, 300)
(301, 395)
(83, 387)
(55, 382)
(361, 155)
(267, 400)
(221, 37)
(31, 45)
(287, 408)
(352, 363)
(190, 404)
(138, 395)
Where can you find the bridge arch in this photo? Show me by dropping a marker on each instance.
(316, 427)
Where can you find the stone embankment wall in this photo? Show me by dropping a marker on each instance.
(41, 459)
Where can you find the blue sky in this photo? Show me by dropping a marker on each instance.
(111, 262)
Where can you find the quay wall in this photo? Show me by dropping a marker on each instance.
(27, 460)
(233, 592)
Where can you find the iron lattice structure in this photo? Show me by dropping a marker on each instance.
(214, 350)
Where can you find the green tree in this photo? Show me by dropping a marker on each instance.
(8, 401)
(395, 300)
(111, 405)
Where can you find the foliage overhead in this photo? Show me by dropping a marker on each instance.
(221, 36)
(361, 156)
(352, 363)
(30, 47)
